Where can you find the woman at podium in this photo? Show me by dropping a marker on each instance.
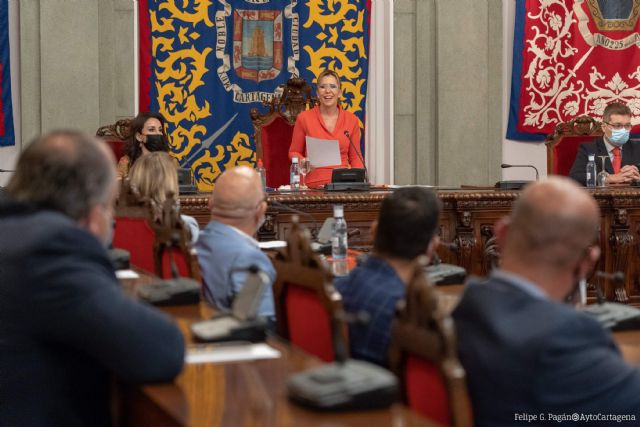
(327, 121)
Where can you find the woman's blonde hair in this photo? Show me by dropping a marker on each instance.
(329, 73)
(153, 177)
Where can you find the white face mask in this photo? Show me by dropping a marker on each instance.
(619, 137)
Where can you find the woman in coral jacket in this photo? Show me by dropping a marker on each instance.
(327, 121)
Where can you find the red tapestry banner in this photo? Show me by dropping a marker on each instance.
(577, 57)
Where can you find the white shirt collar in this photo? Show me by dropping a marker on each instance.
(609, 146)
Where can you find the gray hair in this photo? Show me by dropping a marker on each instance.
(65, 171)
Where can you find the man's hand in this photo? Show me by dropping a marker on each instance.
(627, 175)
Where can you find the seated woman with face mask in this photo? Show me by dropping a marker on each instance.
(152, 178)
(147, 135)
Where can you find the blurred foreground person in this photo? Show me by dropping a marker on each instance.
(519, 343)
(65, 324)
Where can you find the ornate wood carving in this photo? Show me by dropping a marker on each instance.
(424, 330)
(621, 242)
(490, 250)
(120, 129)
(580, 126)
(268, 229)
(465, 241)
(471, 233)
(289, 100)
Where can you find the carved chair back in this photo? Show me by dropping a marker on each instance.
(152, 239)
(274, 129)
(307, 304)
(116, 135)
(423, 354)
(563, 144)
(173, 253)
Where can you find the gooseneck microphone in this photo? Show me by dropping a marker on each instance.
(506, 166)
(366, 171)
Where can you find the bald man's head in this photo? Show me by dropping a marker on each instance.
(552, 224)
(238, 199)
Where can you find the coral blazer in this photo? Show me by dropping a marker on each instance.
(309, 123)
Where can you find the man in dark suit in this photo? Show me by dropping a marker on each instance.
(65, 324)
(623, 156)
(525, 351)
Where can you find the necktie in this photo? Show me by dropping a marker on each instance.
(617, 159)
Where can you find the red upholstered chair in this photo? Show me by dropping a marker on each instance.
(423, 354)
(173, 243)
(305, 299)
(562, 145)
(273, 130)
(151, 244)
(115, 136)
(133, 233)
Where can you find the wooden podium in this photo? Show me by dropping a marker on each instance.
(466, 227)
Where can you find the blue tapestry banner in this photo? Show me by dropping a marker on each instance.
(205, 64)
(6, 115)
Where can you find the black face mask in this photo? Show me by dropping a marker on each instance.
(156, 143)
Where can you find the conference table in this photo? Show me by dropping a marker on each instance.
(466, 226)
(242, 393)
(253, 393)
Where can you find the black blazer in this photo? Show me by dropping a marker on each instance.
(536, 356)
(630, 156)
(66, 326)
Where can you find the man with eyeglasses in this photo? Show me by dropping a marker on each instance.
(624, 155)
(226, 247)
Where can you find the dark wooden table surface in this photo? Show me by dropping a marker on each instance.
(249, 393)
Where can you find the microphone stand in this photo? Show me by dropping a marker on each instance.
(515, 184)
(366, 171)
(506, 166)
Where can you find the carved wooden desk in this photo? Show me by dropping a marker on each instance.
(466, 224)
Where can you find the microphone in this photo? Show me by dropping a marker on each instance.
(506, 166)
(518, 184)
(366, 171)
(7, 170)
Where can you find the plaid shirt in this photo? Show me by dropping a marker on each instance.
(373, 287)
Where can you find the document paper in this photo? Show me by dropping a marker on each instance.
(221, 353)
(323, 152)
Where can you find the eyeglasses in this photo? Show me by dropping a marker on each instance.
(329, 86)
(618, 126)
